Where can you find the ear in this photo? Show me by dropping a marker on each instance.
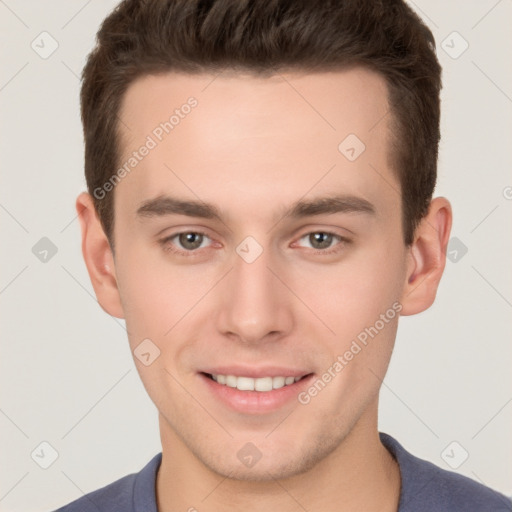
(427, 258)
(98, 257)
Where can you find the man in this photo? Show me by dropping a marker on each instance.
(260, 213)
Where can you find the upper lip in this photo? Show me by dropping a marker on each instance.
(256, 372)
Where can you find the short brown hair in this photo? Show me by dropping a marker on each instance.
(263, 37)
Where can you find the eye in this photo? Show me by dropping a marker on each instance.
(322, 241)
(186, 242)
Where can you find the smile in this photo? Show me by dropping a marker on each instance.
(263, 384)
(264, 391)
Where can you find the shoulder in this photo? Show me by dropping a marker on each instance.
(427, 487)
(123, 495)
(113, 497)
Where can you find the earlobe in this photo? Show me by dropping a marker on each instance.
(427, 258)
(98, 257)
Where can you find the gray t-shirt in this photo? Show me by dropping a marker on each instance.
(425, 488)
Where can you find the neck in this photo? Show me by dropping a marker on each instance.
(359, 475)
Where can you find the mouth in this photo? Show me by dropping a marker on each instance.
(260, 384)
(257, 394)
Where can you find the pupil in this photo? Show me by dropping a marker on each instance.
(323, 239)
(190, 240)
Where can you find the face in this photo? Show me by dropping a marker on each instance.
(253, 250)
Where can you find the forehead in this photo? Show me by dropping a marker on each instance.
(241, 138)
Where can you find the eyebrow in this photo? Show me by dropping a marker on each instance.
(166, 205)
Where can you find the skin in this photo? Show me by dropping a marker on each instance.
(252, 147)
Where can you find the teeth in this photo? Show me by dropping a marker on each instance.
(231, 381)
(263, 384)
(278, 382)
(250, 384)
(245, 384)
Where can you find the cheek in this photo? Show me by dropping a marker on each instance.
(156, 293)
(365, 312)
(350, 295)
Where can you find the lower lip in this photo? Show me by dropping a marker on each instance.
(255, 402)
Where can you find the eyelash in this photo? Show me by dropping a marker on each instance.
(171, 247)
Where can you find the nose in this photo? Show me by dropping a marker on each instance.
(256, 306)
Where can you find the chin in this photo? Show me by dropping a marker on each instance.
(273, 462)
(262, 471)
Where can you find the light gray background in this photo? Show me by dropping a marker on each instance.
(67, 376)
